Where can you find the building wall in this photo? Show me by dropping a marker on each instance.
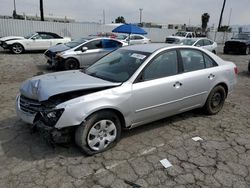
(74, 30)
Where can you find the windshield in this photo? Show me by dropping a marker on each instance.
(29, 35)
(118, 66)
(75, 42)
(188, 42)
(180, 34)
(242, 36)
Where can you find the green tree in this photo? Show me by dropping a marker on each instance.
(120, 19)
(204, 20)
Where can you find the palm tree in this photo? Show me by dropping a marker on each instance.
(204, 19)
(221, 14)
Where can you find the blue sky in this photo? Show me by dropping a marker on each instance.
(158, 11)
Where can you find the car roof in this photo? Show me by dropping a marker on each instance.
(49, 33)
(151, 47)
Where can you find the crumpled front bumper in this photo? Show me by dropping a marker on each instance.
(26, 117)
(51, 134)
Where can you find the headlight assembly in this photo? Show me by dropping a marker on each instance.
(51, 117)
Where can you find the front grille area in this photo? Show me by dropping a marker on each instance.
(49, 54)
(29, 105)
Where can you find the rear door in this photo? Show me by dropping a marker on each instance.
(199, 75)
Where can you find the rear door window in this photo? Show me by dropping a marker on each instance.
(111, 43)
(192, 60)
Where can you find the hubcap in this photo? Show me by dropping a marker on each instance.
(101, 135)
(216, 100)
(17, 49)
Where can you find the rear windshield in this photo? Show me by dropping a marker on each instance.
(242, 36)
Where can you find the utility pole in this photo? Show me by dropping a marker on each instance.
(41, 10)
(221, 14)
(103, 14)
(14, 11)
(140, 9)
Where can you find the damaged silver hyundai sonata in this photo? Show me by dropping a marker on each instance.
(129, 87)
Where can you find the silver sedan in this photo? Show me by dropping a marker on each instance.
(129, 87)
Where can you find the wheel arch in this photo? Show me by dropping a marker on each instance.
(115, 111)
(19, 44)
(224, 85)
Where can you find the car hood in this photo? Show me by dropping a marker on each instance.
(42, 87)
(58, 48)
(11, 38)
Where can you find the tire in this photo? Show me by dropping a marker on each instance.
(249, 66)
(100, 132)
(215, 100)
(71, 64)
(17, 48)
(247, 51)
(225, 51)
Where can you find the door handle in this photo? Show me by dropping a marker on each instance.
(177, 84)
(211, 76)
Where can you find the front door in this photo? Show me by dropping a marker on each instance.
(157, 91)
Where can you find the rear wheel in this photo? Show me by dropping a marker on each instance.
(71, 64)
(99, 133)
(215, 100)
(17, 48)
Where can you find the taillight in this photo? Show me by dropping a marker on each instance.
(236, 70)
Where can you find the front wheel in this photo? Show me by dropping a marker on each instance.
(17, 48)
(71, 64)
(99, 133)
(215, 100)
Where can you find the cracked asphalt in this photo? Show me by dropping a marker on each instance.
(221, 159)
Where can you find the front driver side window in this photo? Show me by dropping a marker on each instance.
(162, 66)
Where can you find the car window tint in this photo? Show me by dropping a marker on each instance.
(209, 62)
(192, 60)
(207, 42)
(46, 36)
(37, 37)
(96, 44)
(199, 43)
(138, 37)
(111, 44)
(162, 66)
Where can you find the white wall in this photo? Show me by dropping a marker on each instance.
(74, 30)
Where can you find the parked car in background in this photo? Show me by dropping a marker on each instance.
(133, 39)
(240, 43)
(104, 34)
(179, 36)
(201, 42)
(50, 54)
(128, 87)
(33, 41)
(81, 53)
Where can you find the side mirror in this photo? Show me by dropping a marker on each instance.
(84, 48)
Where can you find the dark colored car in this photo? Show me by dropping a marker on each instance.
(238, 44)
